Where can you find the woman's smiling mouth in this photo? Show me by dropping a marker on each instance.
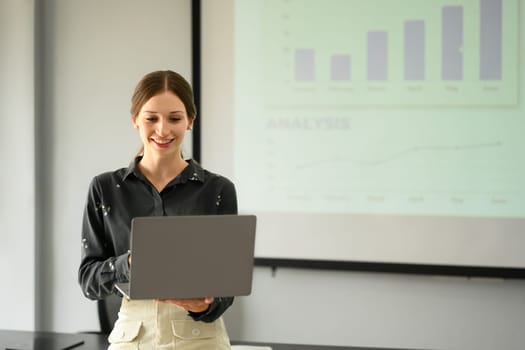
(163, 143)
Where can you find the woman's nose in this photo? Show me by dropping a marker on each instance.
(162, 127)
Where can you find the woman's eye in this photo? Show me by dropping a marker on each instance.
(175, 119)
(151, 119)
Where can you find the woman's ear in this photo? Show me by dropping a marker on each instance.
(190, 124)
(134, 122)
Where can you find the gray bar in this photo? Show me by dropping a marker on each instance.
(490, 39)
(414, 50)
(304, 64)
(340, 67)
(377, 47)
(452, 43)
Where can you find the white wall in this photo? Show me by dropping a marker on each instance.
(17, 177)
(380, 310)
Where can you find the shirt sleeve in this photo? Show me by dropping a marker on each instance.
(99, 268)
(227, 199)
(216, 309)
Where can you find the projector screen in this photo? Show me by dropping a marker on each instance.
(383, 131)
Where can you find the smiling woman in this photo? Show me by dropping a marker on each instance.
(162, 123)
(159, 182)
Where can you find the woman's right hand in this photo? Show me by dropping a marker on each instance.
(190, 304)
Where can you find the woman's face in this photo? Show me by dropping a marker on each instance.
(162, 123)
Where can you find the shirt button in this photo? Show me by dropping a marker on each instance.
(195, 332)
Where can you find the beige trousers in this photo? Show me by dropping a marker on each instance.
(151, 325)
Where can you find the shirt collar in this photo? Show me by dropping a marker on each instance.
(193, 172)
(133, 168)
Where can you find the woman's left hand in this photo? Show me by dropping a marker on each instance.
(193, 305)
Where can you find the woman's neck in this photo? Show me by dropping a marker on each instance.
(161, 170)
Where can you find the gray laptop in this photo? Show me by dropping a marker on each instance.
(190, 256)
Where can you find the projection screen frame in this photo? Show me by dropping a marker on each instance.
(361, 266)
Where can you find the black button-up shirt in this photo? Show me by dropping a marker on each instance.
(115, 198)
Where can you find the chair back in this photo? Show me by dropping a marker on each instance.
(108, 309)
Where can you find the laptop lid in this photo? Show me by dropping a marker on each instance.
(191, 256)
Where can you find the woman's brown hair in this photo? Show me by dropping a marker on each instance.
(157, 82)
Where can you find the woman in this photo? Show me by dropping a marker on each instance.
(158, 182)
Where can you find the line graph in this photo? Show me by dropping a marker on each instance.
(396, 162)
(401, 154)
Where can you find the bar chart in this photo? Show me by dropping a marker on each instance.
(411, 53)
